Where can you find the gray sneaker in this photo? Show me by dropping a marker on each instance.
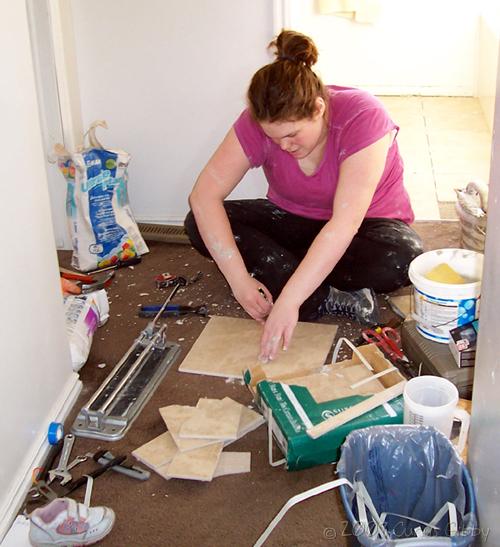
(360, 305)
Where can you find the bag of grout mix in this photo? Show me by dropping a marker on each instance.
(102, 227)
(84, 313)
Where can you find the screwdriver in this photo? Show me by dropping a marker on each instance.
(173, 310)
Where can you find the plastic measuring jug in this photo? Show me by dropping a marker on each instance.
(432, 401)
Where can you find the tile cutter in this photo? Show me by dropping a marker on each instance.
(117, 402)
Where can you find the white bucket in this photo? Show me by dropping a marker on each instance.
(440, 307)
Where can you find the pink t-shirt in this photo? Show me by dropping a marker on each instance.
(356, 120)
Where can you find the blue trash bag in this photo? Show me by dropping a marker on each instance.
(411, 471)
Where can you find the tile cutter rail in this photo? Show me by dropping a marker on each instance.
(120, 398)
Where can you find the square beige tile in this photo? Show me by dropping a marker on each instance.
(157, 452)
(447, 182)
(416, 155)
(249, 421)
(233, 463)
(162, 471)
(405, 111)
(440, 137)
(423, 197)
(404, 302)
(457, 151)
(228, 346)
(457, 113)
(213, 419)
(174, 417)
(199, 464)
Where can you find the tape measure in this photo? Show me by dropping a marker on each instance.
(55, 433)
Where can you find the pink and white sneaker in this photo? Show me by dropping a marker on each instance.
(67, 523)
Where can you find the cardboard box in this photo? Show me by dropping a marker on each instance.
(292, 405)
(462, 343)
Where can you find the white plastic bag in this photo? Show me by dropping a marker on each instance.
(471, 207)
(102, 226)
(84, 313)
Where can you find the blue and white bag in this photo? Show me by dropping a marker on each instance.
(102, 227)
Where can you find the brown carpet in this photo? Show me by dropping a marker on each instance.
(231, 510)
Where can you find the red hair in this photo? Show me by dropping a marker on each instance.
(287, 89)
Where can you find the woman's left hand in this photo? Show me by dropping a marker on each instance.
(278, 329)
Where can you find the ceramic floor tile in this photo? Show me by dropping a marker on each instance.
(413, 144)
(174, 417)
(459, 121)
(477, 144)
(404, 303)
(423, 181)
(405, 111)
(464, 122)
(446, 195)
(466, 169)
(459, 151)
(400, 101)
(447, 210)
(156, 452)
(411, 124)
(232, 463)
(425, 209)
(417, 162)
(422, 192)
(457, 113)
(446, 183)
(249, 421)
(450, 105)
(213, 419)
(413, 139)
(443, 139)
(199, 464)
(162, 471)
(228, 346)
(448, 157)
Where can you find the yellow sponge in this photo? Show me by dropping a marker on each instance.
(444, 273)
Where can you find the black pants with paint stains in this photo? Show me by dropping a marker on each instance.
(273, 241)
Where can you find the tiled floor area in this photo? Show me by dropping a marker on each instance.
(445, 143)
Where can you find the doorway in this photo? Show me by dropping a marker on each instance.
(430, 76)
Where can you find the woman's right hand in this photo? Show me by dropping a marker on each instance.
(254, 298)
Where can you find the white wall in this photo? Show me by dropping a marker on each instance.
(489, 42)
(170, 78)
(35, 376)
(414, 47)
(49, 102)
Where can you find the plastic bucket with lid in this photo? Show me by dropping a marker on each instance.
(440, 307)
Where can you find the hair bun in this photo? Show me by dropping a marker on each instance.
(295, 47)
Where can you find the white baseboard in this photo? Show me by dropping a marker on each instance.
(39, 450)
(172, 221)
(64, 244)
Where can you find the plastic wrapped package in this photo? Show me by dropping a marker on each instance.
(408, 471)
(101, 223)
(471, 208)
(84, 314)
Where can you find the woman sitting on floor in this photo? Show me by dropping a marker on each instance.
(335, 225)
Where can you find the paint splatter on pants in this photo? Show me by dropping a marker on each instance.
(272, 243)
